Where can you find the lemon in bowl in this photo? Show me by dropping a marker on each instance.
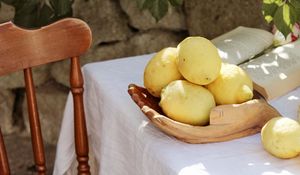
(198, 60)
(232, 86)
(161, 70)
(186, 102)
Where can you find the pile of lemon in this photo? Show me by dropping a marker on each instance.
(191, 79)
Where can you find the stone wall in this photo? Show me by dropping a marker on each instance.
(119, 29)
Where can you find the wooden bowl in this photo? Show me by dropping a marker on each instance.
(227, 122)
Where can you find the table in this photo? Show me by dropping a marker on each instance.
(124, 142)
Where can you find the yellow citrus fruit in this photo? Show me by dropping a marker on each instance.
(232, 86)
(161, 70)
(187, 102)
(280, 136)
(198, 60)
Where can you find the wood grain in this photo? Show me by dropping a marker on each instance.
(227, 122)
(34, 122)
(22, 49)
(81, 141)
(4, 166)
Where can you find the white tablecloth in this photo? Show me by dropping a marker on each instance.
(125, 143)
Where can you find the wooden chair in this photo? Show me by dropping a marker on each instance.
(22, 49)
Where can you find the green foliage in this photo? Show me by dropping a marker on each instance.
(284, 14)
(37, 13)
(158, 8)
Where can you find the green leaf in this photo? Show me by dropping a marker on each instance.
(159, 9)
(176, 2)
(62, 8)
(285, 18)
(26, 14)
(145, 4)
(295, 3)
(269, 7)
(37, 13)
(46, 16)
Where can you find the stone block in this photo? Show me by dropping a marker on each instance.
(51, 98)
(7, 98)
(105, 18)
(211, 18)
(7, 13)
(16, 80)
(143, 20)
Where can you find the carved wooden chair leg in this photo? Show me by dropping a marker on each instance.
(35, 127)
(81, 141)
(4, 167)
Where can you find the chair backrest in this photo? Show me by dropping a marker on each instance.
(21, 49)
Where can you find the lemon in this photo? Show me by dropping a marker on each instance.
(232, 86)
(161, 70)
(187, 102)
(198, 60)
(280, 136)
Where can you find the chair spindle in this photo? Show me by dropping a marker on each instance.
(35, 127)
(4, 167)
(81, 140)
